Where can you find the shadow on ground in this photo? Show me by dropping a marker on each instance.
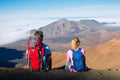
(6, 55)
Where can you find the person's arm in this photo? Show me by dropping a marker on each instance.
(68, 60)
(68, 56)
(70, 67)
(48, 55)
(47, 49)
(27, 54)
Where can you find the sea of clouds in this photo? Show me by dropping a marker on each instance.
(14, 31)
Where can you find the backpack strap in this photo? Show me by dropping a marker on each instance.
(74, 50)
(38, 42)
(28, 42)
(41, 55)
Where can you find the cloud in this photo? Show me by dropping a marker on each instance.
(12, 37)
(113, 25)
(12, 32)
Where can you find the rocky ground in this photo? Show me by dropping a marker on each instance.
(58, 74)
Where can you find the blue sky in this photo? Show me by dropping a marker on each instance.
(19, 16)
(61, 8)
(51, 4)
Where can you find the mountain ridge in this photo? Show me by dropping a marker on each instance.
(64, 26)
(106, 53)
(64, 30)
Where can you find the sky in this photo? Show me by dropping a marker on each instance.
(19, 16)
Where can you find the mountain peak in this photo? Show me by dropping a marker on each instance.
(63, 20)
(91, 23)
(89, 20)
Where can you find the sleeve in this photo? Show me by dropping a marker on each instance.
(83, 51)
(26, 54)
(69, 54)
(70, 61)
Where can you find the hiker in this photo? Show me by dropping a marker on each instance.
(75, 57)
(47, 50)
(45, 54)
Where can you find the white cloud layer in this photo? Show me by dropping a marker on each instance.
(12, 37)
(12, 32)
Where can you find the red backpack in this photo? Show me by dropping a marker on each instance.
(35, 53)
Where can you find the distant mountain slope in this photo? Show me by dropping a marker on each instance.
(64, 30)
(105, 55)
(92, 23)
(65, 27)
